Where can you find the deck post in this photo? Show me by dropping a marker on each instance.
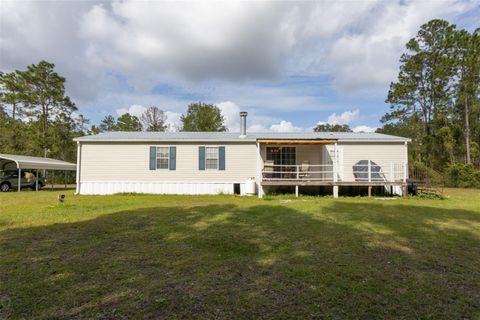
(296, 191)
(369, 191)
(19, 179)
(335, 191)
(36, 180)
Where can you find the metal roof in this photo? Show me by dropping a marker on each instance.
(26, 162)
(119, 136)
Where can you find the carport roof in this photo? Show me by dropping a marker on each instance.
(26, 162)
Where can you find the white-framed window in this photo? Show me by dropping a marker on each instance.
(163, 157)
(211, 158)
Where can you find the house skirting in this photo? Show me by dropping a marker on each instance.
(153, 187)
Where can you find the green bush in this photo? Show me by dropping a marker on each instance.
(462, 176)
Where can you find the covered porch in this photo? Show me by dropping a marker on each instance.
(320, 162)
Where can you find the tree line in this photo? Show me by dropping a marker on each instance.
(436, 98)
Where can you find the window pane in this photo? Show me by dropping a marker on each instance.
(162, 163)
(162, 152)
(211, 164)
(211, 152)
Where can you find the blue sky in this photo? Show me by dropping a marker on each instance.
(289, 64)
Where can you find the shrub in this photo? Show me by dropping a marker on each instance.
(462, 176)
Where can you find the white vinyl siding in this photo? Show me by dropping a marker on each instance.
(99, 162)
(163, 157)
(383, 154)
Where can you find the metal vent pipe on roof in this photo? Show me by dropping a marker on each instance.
(243, 124)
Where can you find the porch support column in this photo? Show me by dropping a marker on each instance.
(19, 179)
(335, 170)
(335, 163)
(36, 180)
(259, 172)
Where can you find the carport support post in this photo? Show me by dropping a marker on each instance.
(65, 179)
(19, 179)
(53, 178)
(36, 180)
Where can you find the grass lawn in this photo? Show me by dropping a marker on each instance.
(150, 256)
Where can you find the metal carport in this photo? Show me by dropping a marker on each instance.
(12, 161)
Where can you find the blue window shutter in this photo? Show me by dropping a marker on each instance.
(201, 158)
(173, 158)
(153, 158)
(221, 158)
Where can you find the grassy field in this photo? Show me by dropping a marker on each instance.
(146, 256)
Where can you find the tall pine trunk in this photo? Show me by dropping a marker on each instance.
(467, 132)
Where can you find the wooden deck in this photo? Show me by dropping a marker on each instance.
(300, 182)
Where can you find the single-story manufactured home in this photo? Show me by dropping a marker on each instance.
(238, 163)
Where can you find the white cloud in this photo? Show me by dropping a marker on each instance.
(363, 128)
(285, 126)
(230, 112)
(359, 43)
(195, 40)
(345, 118)
(368, 55)
(134, 110)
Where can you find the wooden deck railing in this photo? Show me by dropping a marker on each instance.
(369, 172)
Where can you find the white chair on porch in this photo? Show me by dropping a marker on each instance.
(304, 170)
